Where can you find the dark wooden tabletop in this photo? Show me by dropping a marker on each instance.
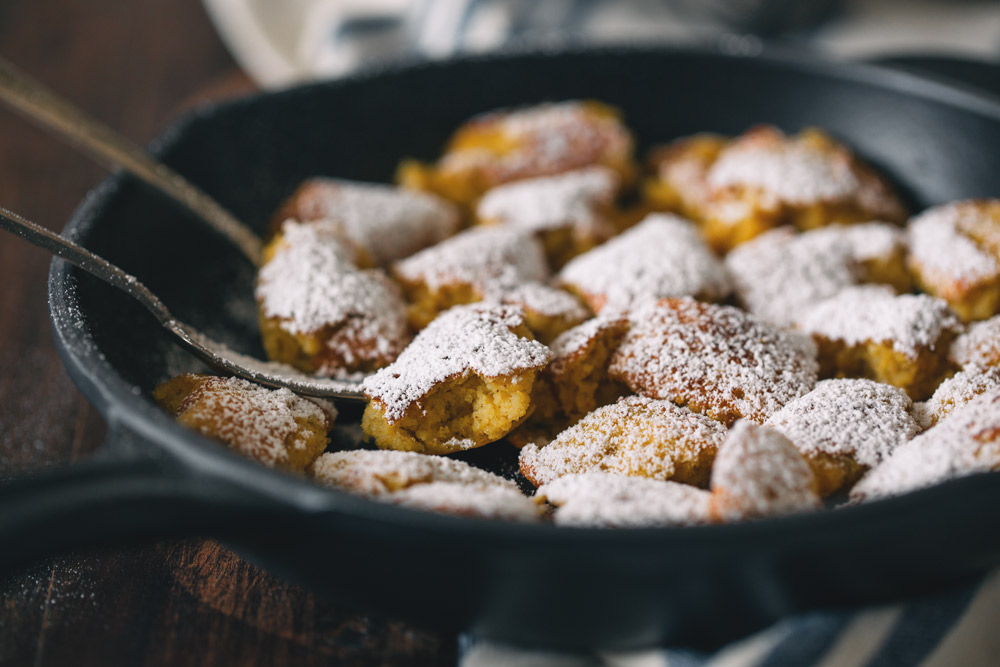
(133, 65)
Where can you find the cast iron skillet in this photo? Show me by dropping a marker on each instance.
(527, 584)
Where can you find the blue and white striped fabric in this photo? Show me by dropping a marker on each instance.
(960, 628)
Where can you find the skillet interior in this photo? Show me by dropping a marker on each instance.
(532, 585)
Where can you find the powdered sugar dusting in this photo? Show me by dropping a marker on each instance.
(954, 392)
(635, 436)
(758, 472)
(867, 241)
(966, 442)
(546, 139)
(310, 285)
(601, 500)
(465, 339)
(979, 345)
(260, 423)
(790, 169)
(869, 313)
(426, 482)
(484, 257)
(574, 199)
(663, 256)
(716, 359)
(387, 221)
(944, 258)
(569, 343)
(780, 273)
(542, 299)
(862, 419)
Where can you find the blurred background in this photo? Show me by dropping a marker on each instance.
(279, 43)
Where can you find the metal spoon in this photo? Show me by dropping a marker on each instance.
(211, 352)
(41, 105)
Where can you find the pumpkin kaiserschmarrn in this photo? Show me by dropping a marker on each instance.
(515, 144)
(271, 426)
(762, 179)
(466, 380)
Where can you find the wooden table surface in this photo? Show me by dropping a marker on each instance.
(133, 65)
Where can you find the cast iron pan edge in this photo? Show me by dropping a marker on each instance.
(275, 517)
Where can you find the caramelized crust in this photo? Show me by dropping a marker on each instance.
(514, 144)
(272, 426)
(763, 179)
(870, 332)
(384, 222)
(636, 436)
(955, 255)
(575, 382)
(465, 381)
(717, 360)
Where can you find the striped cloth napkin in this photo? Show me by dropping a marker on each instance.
(960, 628)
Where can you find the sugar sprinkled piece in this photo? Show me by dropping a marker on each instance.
(781, 273)
(542, 299)
(484, 257)
(801, 171)
(946, 261)
(571, 343)
(311, 285)
(574, 200)
(715, 359)
(875, 313)
(426, 482)
(967, 442)
(956, 391)
(861, 419)
(636, 436)
(263, 424)
(662, 256)
(979, 345)
(790, 169)
(758, 472)
(546, 139)
(602, 500)
(389, 222)
(477, 338)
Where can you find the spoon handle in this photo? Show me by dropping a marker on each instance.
(86, 260)
(46, 108)
(211, 352)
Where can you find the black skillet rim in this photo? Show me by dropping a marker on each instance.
(124, 407)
